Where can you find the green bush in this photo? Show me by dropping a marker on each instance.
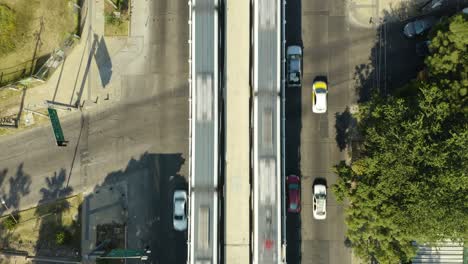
(112, 19)
(61, 237)
(7, 29)
(9, 223)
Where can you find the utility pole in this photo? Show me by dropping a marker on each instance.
(6, 207)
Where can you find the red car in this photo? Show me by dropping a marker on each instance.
(294, 193)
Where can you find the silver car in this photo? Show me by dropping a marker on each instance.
(180, 215)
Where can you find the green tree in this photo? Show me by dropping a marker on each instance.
(9, 223)
(7, 29)
(410, 182)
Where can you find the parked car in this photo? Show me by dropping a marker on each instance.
(179, 212)
(418, 27)
(320, 201)
(422, 48)
(294, 193)
(319, 97)
(294, 71)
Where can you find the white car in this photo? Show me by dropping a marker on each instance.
(180, 215)
(294, 58)
(320, 201)
(319, 97)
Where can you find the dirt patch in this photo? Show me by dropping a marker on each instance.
(12, 117)
(10, 102)
(41, 26)
(38, 227)
(117, 20)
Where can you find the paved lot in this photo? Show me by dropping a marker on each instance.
(151, 120)
(311, 148)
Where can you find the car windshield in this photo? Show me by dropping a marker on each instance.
(320, 90)
(293, 186)
(419, 26)
(320, 195)
(293, 206)
(178, 217)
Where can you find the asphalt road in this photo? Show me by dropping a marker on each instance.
(151, 120)
(355, 61)
(267, 242)
(311, 139)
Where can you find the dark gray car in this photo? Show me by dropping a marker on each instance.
(418, 27)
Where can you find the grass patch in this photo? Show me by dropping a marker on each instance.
(115, 25)
(41, 26)
(8, 32)
(53, 224)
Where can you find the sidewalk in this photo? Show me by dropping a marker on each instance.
(92, 72)
(367, 13)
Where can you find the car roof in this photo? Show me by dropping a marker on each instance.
(321, 205)
(179, 208)
(321, 101)
(295, 65)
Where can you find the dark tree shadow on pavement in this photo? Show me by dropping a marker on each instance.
(393, 58)
(55, 187)
(19, 186)
(147, 185)
(49, 212)
(345, 126)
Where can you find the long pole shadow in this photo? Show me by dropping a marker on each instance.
(59, 79)
(79, 69)
(88, 65)
(38, 43)
(83, 122)
(20, 112)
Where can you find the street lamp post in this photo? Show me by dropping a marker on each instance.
(4, 204)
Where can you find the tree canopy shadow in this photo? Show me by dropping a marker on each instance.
(144, 205)
(19, 186)
(49, 216)
(346, 128)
